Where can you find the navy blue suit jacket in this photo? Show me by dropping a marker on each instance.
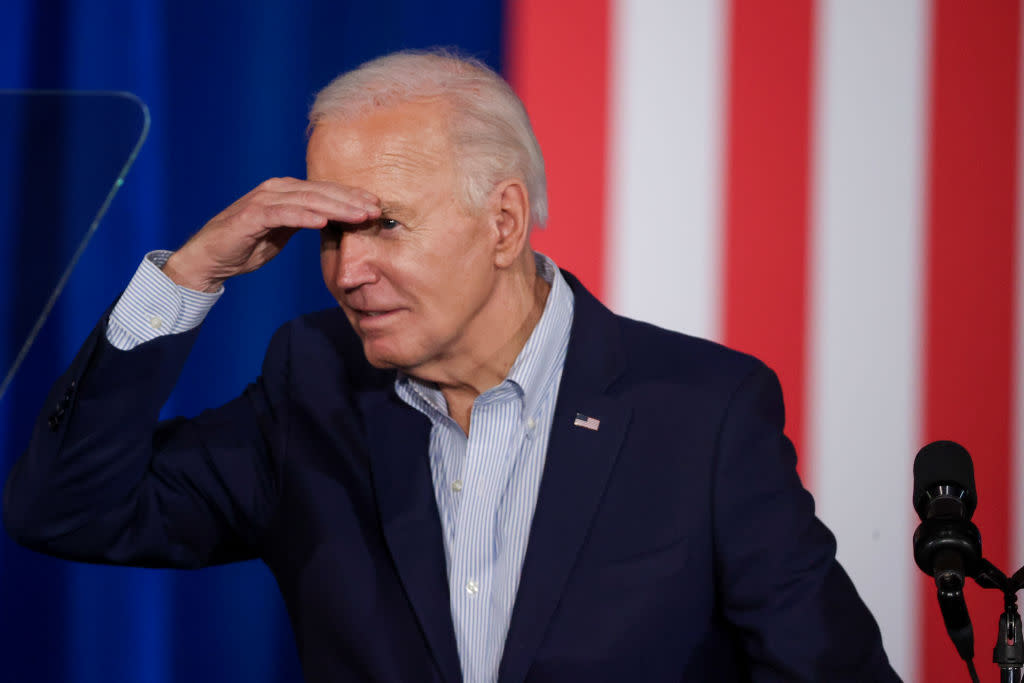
(674, 543)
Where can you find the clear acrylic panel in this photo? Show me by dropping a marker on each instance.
(63, 156)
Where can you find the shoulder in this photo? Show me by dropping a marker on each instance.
(646, 356)
(653, 351)
(328, 326)
(322, 346)
(713, 380)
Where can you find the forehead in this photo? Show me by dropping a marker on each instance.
(400, 143)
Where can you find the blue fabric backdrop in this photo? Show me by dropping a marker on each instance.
(228, 85)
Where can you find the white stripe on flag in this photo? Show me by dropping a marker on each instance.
(665, 152)
(866, 256)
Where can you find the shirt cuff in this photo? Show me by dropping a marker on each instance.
(153, 306)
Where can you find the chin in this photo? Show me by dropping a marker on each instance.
(376, 360)
(382, 359)
(380, 363)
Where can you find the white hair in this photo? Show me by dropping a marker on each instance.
(490, 130)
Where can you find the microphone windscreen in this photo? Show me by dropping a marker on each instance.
(944, 462)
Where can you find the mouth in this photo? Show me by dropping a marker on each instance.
(367, 320)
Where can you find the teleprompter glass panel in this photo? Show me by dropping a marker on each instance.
(63, 156)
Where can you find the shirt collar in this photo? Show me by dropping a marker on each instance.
(538, 363)
(543, 355)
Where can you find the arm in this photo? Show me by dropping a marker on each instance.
(797, 612)
(107, 483)
(152, 306)
(102, 480)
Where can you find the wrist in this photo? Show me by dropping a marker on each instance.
(184, 274)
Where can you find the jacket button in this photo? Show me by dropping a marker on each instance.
(54, 422)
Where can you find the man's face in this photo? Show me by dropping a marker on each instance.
(413, 282)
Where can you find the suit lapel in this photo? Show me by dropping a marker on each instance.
(576, 470)
(398, 438)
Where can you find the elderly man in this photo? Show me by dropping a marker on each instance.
(472, 470)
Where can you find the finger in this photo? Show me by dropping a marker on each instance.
(280, 237)
(344, 192)
(347, 210)
(327, 188)
(293, 216)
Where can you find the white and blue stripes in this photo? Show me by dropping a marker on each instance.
(153, 305)
(486, 485)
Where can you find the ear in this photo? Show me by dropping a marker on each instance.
(510, 221)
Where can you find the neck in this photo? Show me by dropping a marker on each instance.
(503, 328)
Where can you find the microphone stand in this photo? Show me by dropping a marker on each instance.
(1009, 650)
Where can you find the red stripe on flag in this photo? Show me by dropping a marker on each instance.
(767, 186)
(969, 312)
(557, 60)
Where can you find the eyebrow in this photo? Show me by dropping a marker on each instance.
(393, 208)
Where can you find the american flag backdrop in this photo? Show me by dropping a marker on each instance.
(833, 186)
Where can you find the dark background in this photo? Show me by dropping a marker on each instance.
(228, 85)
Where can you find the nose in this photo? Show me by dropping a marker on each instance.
(356, 259)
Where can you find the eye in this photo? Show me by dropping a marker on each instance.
(387, 223)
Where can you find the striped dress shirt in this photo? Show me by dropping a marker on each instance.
(486, 483)
(152, 306)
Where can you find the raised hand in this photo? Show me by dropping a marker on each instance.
(253, 230)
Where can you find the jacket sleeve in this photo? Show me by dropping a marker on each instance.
(103, 481)
(796, 611)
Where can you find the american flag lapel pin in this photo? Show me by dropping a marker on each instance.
(591, 423)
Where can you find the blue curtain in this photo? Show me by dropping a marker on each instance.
(228, 85)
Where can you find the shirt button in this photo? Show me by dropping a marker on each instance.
(156, 322)
(531, 423)
(472, 587)
(457, 485)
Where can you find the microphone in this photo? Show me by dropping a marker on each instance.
(943, 470)
(947, 545)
